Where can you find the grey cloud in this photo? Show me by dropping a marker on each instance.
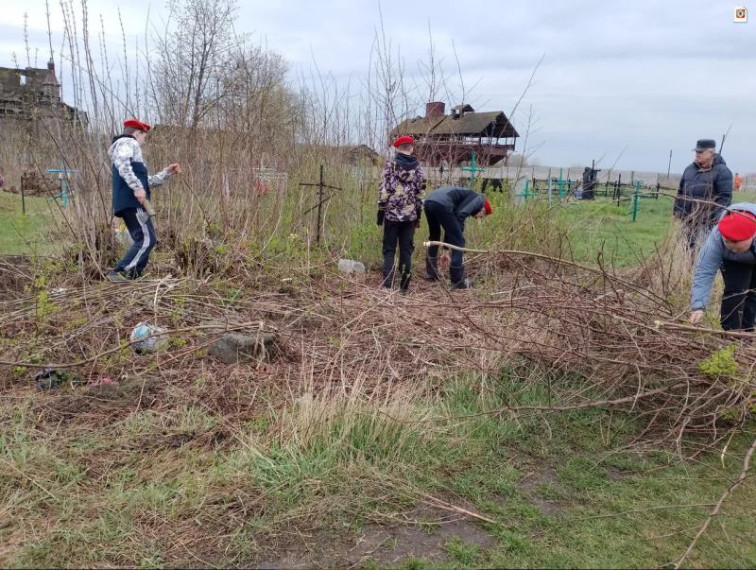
(650, 75)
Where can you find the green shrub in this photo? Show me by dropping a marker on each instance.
(720, 364)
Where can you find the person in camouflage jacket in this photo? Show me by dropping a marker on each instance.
(400, 205)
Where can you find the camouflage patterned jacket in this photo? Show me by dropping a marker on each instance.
(402, 188)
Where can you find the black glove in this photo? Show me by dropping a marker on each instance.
(379, 219)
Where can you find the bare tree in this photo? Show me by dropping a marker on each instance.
(255, 98)
(386, 85)
(194, 59)
(430, 70)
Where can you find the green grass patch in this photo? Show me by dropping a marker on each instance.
(23, 234)
(601, 227)
(559, 493)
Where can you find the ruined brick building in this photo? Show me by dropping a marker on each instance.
(27, 95)
(35, 124)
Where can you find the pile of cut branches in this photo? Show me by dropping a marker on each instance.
(623, 341)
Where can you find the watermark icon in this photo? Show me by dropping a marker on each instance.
(740, 14)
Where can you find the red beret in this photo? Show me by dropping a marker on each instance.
(737, 226)
(137, 124)
(403, 140)
(487, 206)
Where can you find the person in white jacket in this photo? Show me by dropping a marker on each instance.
(131, 188)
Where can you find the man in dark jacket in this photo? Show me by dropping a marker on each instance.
(448, 207)
(589, 183)
(705, 182)
(131, 189)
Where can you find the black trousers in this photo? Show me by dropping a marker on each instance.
(439, 217)
(495, 183)
(403, 234)
(142, 232)
(739, 300)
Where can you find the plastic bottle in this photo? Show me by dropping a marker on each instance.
(351, 266)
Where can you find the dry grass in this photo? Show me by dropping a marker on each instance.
(344, 338)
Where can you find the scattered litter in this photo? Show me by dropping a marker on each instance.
(233, 348)
(351, 266)
(50, 378)
(145, 338)
(121, 233)
(103, 381)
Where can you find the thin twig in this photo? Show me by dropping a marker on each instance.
(718, 507)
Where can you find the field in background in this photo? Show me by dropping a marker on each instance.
(24, 235)
(591, 226)
(602, 226)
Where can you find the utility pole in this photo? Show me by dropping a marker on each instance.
(669, 166)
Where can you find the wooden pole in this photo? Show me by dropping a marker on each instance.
(320, 205)
(619, 188)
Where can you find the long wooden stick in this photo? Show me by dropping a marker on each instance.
(438, 503)
(456, 248)
(523, 254)
(645, 292)
(691, 328)
(148, 208)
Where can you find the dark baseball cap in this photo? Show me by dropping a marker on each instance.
(705, 144)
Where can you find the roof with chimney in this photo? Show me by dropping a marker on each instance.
(463, 121)
(461, 137)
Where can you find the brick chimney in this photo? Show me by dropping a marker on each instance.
(50, 86)
(435, 109)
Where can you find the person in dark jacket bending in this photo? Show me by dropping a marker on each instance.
(131, 188)
(706, 180)
(448, 207)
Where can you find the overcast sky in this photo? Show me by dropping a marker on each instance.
(644, 76)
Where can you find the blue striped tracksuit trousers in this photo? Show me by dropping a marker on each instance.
(142, 232)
